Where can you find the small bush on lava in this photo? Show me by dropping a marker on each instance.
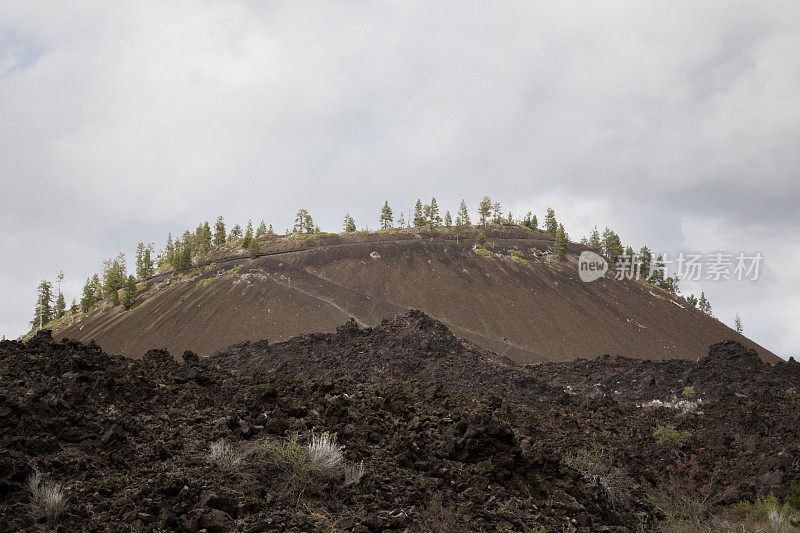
(325, 455)
(47, 497)
(225, 456)
(669, 436)
(595, 466)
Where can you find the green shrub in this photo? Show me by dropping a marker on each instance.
(481, 238)
(520, 261)
(669, 436)
(793, 500)
(480, 250)
(688, 392)
(203, 283)
(535, 251)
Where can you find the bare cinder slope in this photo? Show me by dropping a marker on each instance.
(521, 307)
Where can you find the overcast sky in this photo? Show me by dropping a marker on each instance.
(675, 123)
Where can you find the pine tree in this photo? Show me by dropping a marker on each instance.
(560, 246)
(253, 248)
(594, 241)
(498, 213)
(262, 229)
(139, 260)
(219, 231)
(703, 304)
(308, 224)
(236, 233)
(419, 217)
(646, 257)
(129, 299)
(738, 323)
(43, 312)
(463, 214)
(169, 250)
(433, 214)
(349, 224)
(61, 305)
(205, 238)
(534, 222)
(550, 224)
(147, 261)
(485, 209)
(612, 245)
(248, 235)
(401, 222)
(144, 261)
(73, 308)
(88, 299)
(509, 218)
(448, 220)
(114, 277)
(183, 262)
(528, 220)
(300, 221)
(692, 301)
(386, 217)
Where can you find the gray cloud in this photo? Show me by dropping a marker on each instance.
(665, 120)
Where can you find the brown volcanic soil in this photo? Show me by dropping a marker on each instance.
(529, 312)
(129, 441)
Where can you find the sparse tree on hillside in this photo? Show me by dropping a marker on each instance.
(205, 238)
(646, 257)
(497, 209)
(703, 304)
(253, 248)
(386, 217)
(594, 241)
(401, 222)
(236, 233)
(219, 231)
(419, 215)
(144, 261)
(692, 301)
(114, 276)
(612, 245)
(183, 254)
(43, 312)
(349, 224)
(169, 250)
(61, 305)
(463, 214)
(88, 299)
(550, 224)
(560, 245)
(432, 213)
(73, 308)
(509, 218)
(129, 299)
(262, 229)
(485, 210)
(248, 235)
(738, 323)
(448, 220)
(530, 221)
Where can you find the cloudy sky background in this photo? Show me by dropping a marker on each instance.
(675, 123)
